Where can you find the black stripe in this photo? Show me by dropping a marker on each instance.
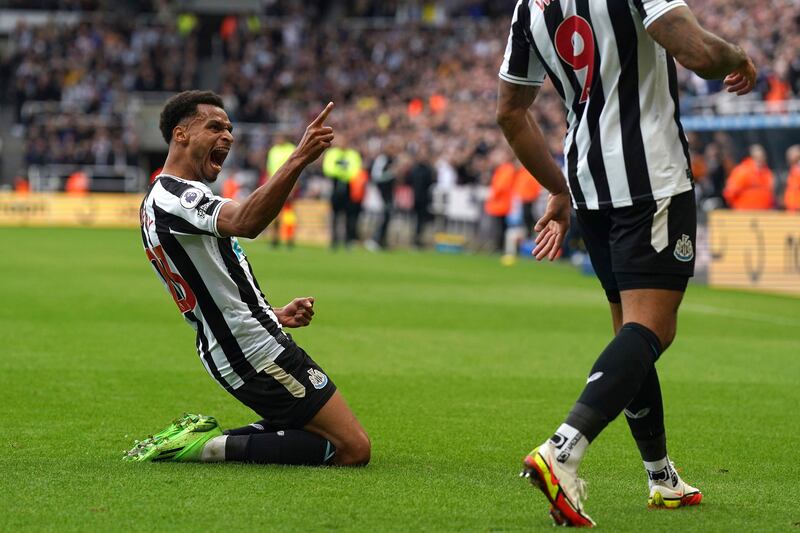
(174, 186)
(165, 222)
(553, 18)
(202, 347)
(255, 281)
(212, 207)
(630, 112)
(550, 73)
(640, 8)
(212, 314)
(519, 61)
(572, 174)
(597, 102)
(673, 91)
(246, 292)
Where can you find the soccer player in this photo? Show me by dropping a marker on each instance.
(628, 172)
(190, 237)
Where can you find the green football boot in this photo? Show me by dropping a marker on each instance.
(181, 441)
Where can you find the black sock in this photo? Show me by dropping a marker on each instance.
(645, 415)
(262, 426)
(289, 447)
(615, 379)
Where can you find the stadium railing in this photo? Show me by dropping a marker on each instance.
(101, 178)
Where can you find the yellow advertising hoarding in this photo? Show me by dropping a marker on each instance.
(91, 210)
(122, 211)
(756, 250)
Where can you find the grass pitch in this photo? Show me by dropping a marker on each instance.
(456, 366)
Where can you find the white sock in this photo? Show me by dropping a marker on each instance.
(570, 446)
(214, 450)
(661, 473)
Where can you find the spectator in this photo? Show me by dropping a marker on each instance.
(751, 184)
(527, 190)
(501, 192)
(791, 197)
(277, 155)
(382, 175)
(341, 164)
(421, 178)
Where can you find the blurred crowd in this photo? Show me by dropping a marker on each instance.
(89, 70)
(768, 32)
(414, 82)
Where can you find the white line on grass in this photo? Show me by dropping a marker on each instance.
(711, 310)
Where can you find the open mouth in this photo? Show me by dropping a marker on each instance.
(217, 157)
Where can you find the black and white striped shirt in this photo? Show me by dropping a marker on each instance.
(625, 143)
(210, 279)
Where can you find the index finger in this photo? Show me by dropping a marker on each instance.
(324, 115)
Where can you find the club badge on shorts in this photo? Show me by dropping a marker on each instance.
(684, 250)
(317, 378)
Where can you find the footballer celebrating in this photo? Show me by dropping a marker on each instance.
(629, 178)
(190, 238)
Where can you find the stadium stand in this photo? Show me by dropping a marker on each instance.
(403, 73)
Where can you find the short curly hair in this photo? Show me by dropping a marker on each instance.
(184, 105)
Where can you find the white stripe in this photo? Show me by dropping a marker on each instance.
(610, 119)
(666, 161)
(655, 14)
(294, 387)
(520, 81)
(659, 231)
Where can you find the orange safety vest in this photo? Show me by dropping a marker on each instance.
(230, 188)
(21, 185)
(358, 186)
(501, 191)
(791, 198)
(527, 188)
(77, 184)
(750, 187)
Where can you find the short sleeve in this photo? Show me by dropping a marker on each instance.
(651, 10)
(184, 209)
(521, 64)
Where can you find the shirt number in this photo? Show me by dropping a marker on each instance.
(575, 46)
(178, 288)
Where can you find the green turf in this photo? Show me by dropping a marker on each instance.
(456, 366)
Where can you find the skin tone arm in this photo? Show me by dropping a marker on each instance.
(701, 51)
(297, 313)
(527, 141)
(249, 218)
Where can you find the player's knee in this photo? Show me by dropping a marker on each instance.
(355, 452)
(667, 334)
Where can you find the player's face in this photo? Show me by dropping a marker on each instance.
(210, 139)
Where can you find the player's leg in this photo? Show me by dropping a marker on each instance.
(305, 419)
(553, 466)
(645, 413)
(665, 247)
(658, 309)
(337, 423)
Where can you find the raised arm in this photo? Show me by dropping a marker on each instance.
(701, 51)
(255, 213)
(526, 139)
